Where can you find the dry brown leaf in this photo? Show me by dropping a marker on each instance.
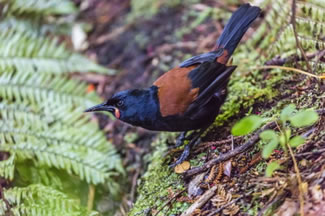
(227, 168)
(181, 168)
(222, 198)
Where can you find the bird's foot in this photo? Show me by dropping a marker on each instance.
(180, 140)
(187, 150)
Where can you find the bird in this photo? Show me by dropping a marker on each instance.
(189, 96)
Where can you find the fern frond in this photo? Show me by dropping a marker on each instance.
(65, 114)
(312, 11)
(87, 163)
(310, 27)
(274, 22)
(83, 151)
(44, 88)
(7, 167)
(34, 26)
(28, 52)
(40, 200)
(311, 43)
(320, 66)
(40, 7)
(30, 124)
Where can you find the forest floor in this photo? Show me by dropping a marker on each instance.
(141, 49)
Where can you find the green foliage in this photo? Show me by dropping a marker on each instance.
(272, 140)
(40, 200)
(300, 119)
(29, 52)
(296, 141)
(7, 167)
(246, 125)
(271, 167)
(52, 145)
(287, 112)
(304, 118)
(42, 7)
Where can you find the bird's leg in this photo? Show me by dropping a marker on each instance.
(182, 137)
(180, 140)
(186, 152)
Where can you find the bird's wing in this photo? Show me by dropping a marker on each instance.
(183, 90)
(210, 78)
(205, 57)
(175, 91)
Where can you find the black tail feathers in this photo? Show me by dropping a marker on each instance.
(237, 26)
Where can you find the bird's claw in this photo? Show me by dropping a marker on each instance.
(186, 152)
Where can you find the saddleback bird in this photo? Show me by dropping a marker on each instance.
(187, 97)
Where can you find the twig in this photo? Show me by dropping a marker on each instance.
(169, 201)
(301, 198)
(290, 69)
(301, 191)
(201, 201)
(281, 61)
(293, 22)
(134, 184)
(318, 151)
(254, 139)
(228, 204)
(91, 197)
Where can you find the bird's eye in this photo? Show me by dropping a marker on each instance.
(119, 103)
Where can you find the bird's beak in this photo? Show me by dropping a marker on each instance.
(101, 107)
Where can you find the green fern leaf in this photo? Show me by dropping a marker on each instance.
(40, 200)
(28, 52)
(41, 7)
(7, 167)
(43, 88)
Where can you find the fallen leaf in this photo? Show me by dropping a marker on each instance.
(181, 168)
(227, 168)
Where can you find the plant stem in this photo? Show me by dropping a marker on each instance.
(301, 192)
(91, 197)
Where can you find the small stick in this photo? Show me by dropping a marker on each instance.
(254, 139)
(301, 195)
(289, 69)
(201, 201)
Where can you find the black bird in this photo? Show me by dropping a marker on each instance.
(187, 97)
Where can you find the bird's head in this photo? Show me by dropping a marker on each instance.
(116, 105)
(128, 106)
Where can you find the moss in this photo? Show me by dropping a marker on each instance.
(158, 180)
